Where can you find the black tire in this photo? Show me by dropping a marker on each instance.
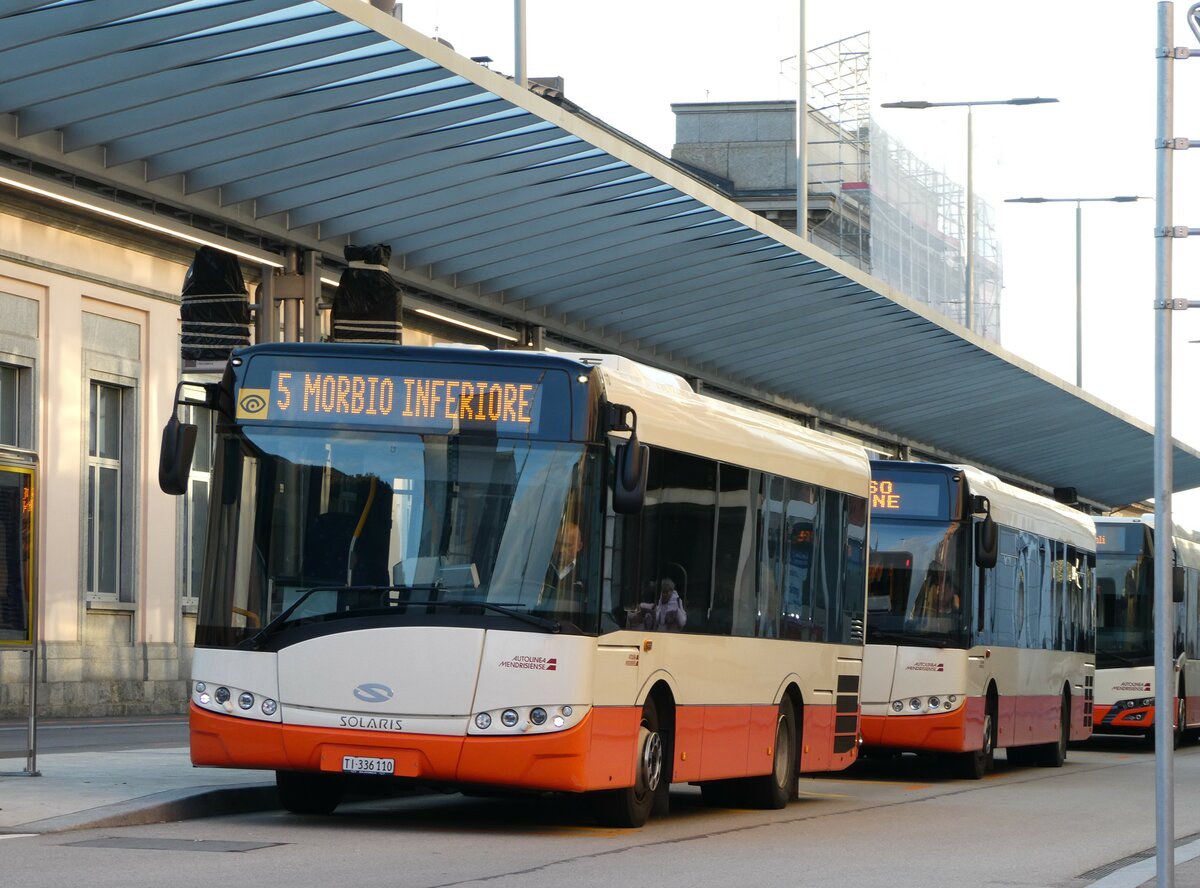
(1053, 755)
(773, 791)
(630, 807)
(974, 765)
(305, 793)
(770, 791)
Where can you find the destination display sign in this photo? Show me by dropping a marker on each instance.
(923, 495)
(439, 397)
(1120, 538)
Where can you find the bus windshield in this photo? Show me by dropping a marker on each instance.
(1124, 610)
(316, 526)
(917, 583)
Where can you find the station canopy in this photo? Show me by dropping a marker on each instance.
(318, 125)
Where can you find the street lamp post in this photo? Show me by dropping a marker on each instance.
(920, 105)
(1078, 201)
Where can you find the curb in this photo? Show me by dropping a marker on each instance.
(161, 807)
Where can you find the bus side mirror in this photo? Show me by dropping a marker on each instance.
(987, 541)
(175, 456)
(1178, 584)
(629, 480)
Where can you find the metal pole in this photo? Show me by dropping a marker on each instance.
(1078, 294)
(970, 296)
(1164, 632)
(519, 75)
(802, 132)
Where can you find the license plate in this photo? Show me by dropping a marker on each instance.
(354, 764)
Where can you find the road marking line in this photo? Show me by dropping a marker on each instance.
(17, 835)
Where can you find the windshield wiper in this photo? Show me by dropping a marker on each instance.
(912, 639)
(255, 641)
(1141, 660)
(507, 610)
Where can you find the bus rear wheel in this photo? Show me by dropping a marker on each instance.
(1053, 755)
(773, 791)
(631, 807)
(303, 793)
(770, 791)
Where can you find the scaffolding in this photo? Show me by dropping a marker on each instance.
(876, 205)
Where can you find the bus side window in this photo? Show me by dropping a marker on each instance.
(733, 608)
(770, 557)
(1004, 626)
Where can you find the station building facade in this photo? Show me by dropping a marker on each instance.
(89, 362)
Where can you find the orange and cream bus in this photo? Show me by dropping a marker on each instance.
(980, 619)
(520, 569)
(1125, 628)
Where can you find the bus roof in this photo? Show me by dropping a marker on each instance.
(1187, 541)
(670, 414)
(1024, 510)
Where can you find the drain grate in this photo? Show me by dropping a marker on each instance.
(1094, 875)
(136, 844)
(1108, 869)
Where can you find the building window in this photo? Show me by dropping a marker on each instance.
(195, 506)
(10, 400)
(104, 492)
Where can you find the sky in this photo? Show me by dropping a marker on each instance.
(627, 61)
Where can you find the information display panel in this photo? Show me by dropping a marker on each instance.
(407, 396)
(1122, 539)
(911, 494)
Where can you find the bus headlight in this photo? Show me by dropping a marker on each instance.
(483, 721)
(897, 706)
(537, 715)
(269, 706)
(246, 700)
(509, 718)
(222, 695)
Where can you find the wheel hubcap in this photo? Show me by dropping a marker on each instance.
(650, 772)
(987, 734)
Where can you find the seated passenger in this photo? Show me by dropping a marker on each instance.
(669, 614)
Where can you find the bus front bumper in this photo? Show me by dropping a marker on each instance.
(598, 753)
(960, 730)
(1123, 717)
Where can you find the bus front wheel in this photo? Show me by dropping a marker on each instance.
(631, 807)
(976, 764)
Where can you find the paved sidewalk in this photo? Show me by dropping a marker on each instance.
(80, 790)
